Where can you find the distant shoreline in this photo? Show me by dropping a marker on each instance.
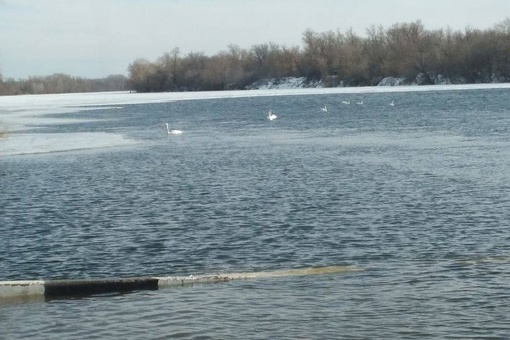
(295, 83)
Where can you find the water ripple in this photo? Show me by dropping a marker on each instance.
(418, 197)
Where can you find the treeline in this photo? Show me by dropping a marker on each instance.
(62, 83)
(407, 51)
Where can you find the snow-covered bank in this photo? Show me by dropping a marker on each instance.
(284, 83)
(302, 82)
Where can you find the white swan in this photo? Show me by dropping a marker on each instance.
(325, 108)
(346, 102)
(392, 103)
(271, 115)
(172, 132)
(360, 102)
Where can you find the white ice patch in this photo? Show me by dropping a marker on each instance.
(52, 103)
(25, 144)
(19, 115)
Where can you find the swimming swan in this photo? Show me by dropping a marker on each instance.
(325, 108)
(172, 132)
(346, 102)
(271, 115)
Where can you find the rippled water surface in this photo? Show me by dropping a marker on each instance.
(417, 195)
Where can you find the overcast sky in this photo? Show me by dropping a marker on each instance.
(96, 38)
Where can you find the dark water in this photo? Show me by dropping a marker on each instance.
(416, 195)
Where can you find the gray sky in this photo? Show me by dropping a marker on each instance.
(96, 38)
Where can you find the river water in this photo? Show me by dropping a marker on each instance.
(416, 196)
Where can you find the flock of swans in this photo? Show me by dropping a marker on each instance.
(271, 116)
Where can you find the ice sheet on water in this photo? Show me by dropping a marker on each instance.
(50, 103)
(24, 144)
(21, 114)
